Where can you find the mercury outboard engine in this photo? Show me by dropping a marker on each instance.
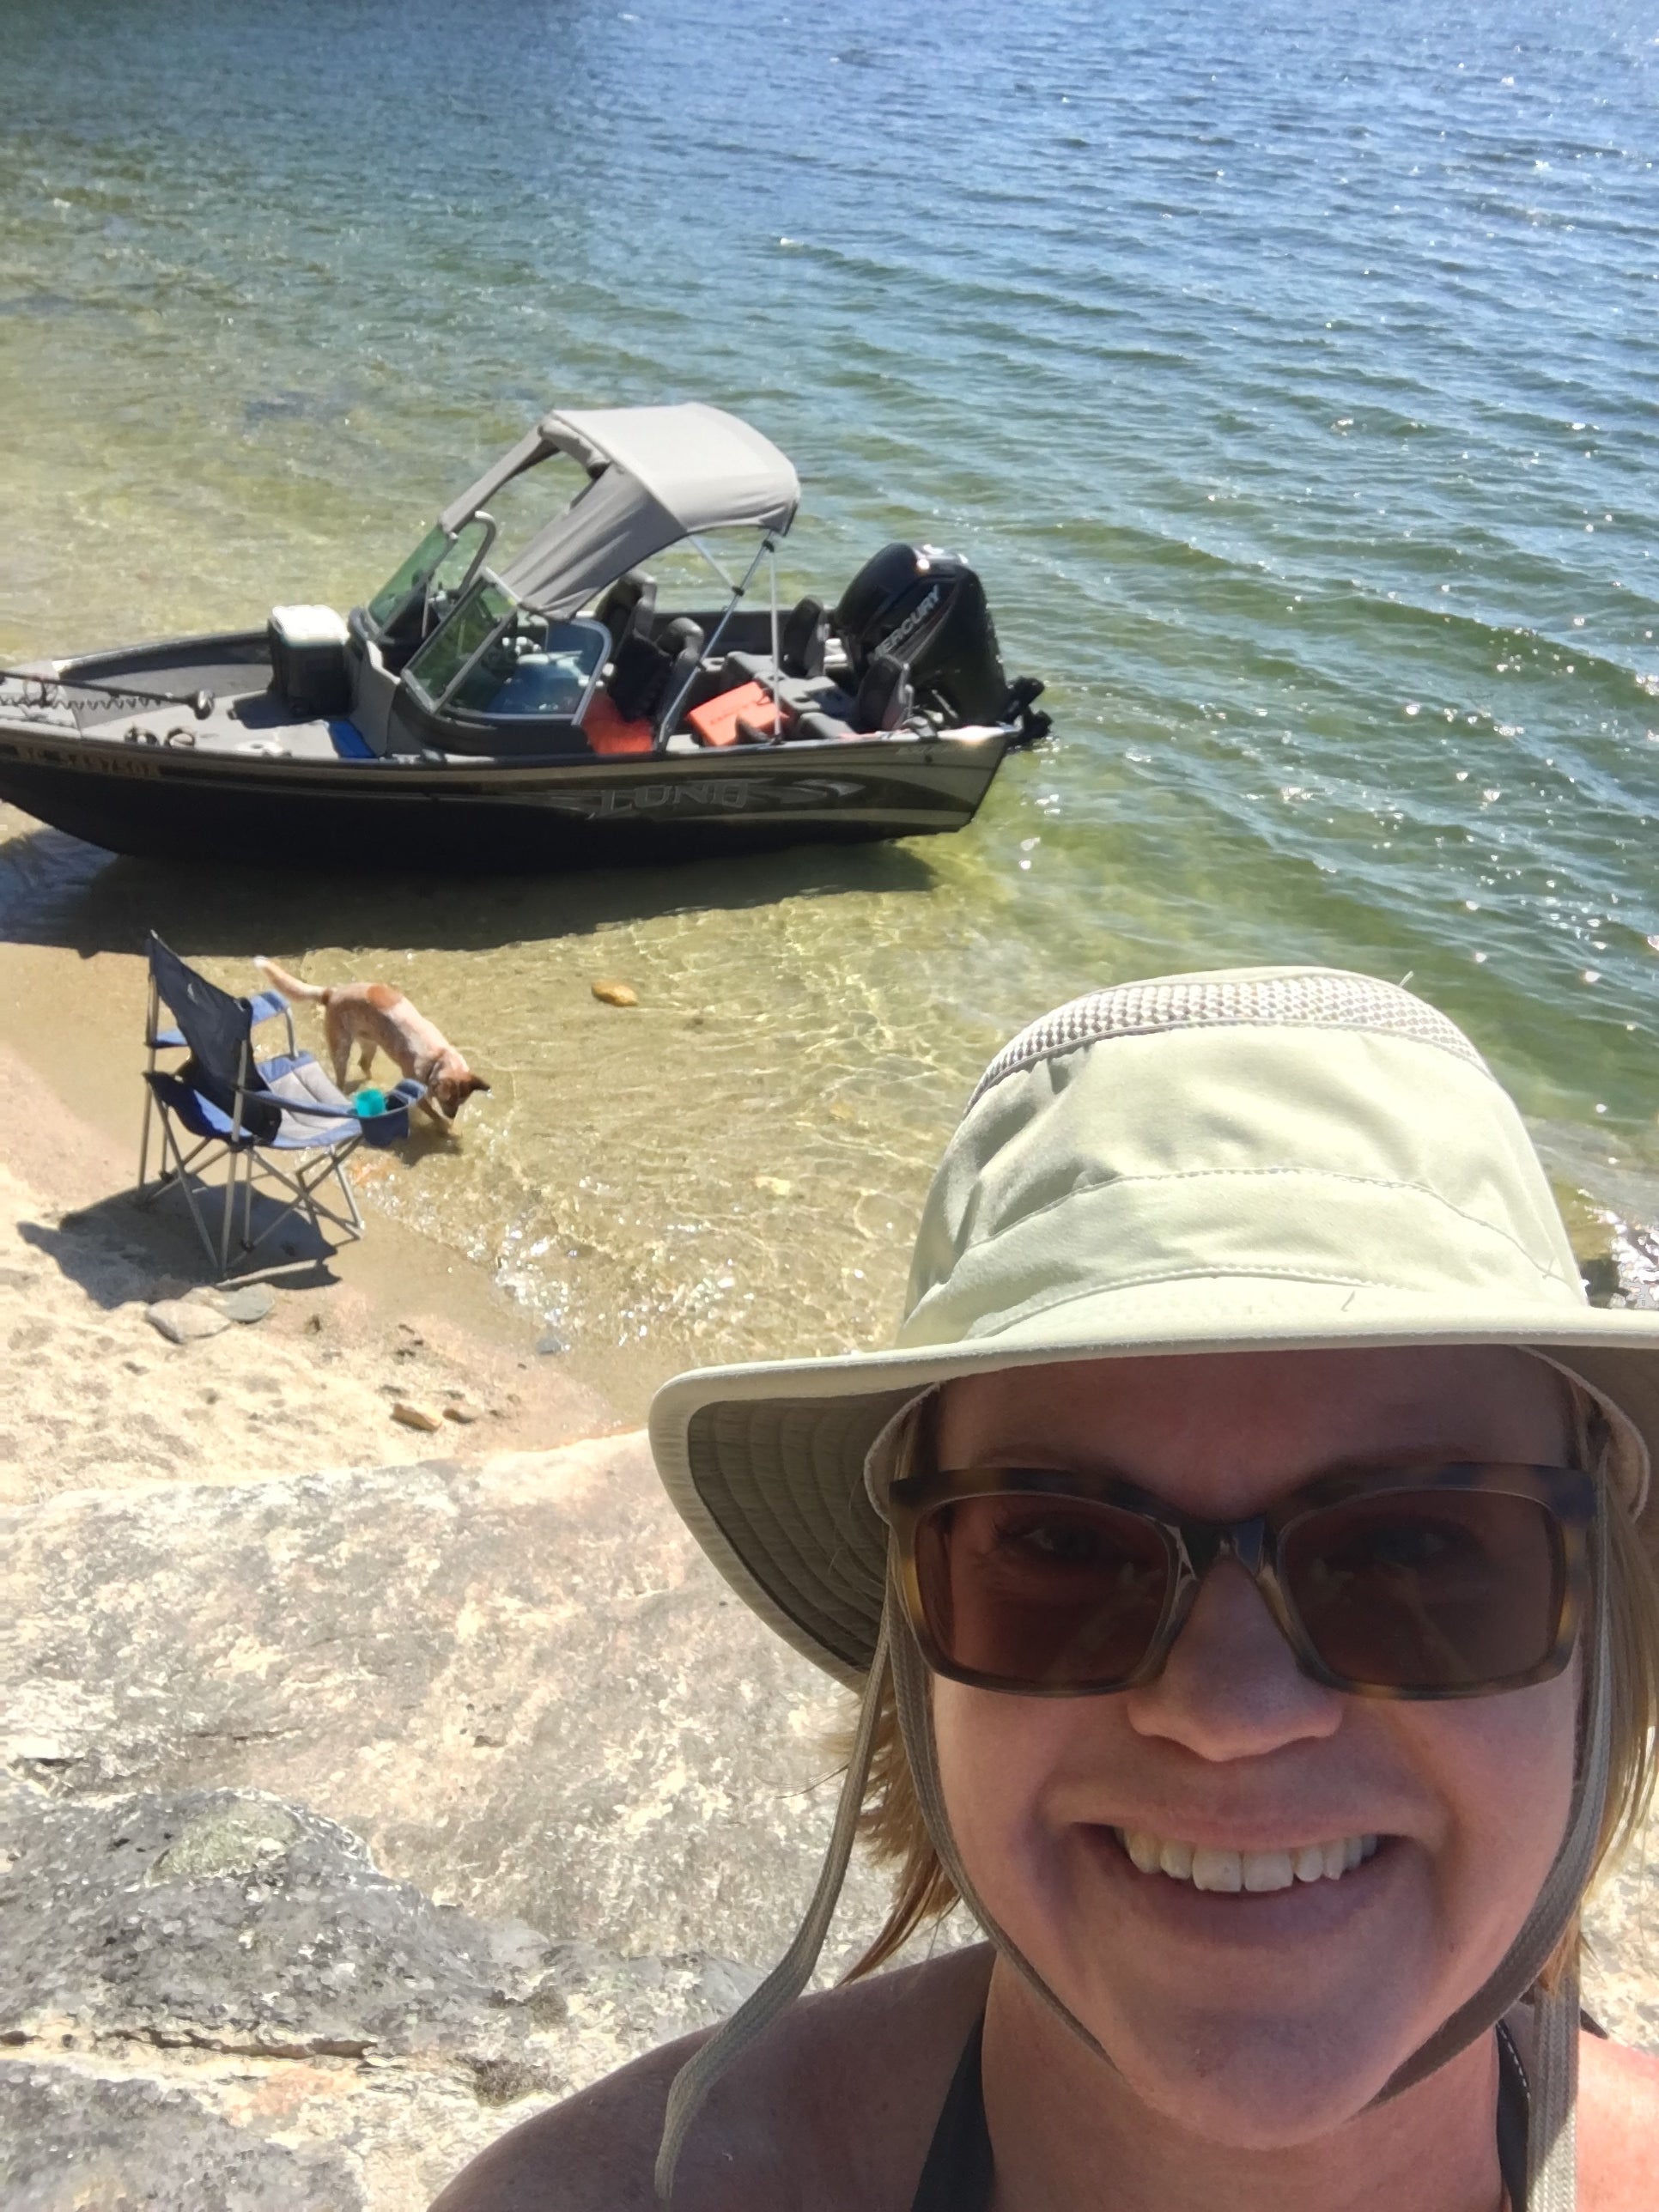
(927, 608)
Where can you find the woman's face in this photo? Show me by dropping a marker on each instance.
(1256, 2018)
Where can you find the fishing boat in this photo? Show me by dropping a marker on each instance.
(508, 705)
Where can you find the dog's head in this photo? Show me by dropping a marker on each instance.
(451, 1092)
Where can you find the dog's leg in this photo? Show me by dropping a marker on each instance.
(339, 1045)
(366, 1057)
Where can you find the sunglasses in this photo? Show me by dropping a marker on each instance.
(1439, 1582)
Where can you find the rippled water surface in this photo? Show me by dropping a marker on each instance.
(1289, 374)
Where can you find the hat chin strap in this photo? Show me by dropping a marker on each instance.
(790, 1976)
(1552, 2083)
(1550, 2145)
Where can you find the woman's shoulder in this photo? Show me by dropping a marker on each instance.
(1617, 2125)
(884, 2050)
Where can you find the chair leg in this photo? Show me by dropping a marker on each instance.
(179, 1173)
(143, 1140)
(303, 1186)
(337, 1166)
(229, 1217)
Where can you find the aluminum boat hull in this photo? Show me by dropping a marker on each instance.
(488, 816)
(167, 785)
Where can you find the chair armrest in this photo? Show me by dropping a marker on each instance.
(302, 1105)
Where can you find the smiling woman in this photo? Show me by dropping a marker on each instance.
(1242, 1563)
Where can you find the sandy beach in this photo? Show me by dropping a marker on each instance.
(94, 1396)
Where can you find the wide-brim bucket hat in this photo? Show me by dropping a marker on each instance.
(1271, 1158)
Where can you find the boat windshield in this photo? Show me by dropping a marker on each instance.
(496, 657)
(433, 576)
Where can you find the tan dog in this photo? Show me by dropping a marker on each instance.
(375, 1018)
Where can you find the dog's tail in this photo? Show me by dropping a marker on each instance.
(290, 985)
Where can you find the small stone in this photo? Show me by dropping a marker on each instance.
(464, 1411)
(549, 1340)
(416, 1416)
(314, 1324)
(610, 993)
(841, 1111)
(247, 1303)
(180, 1322)
(774, 1185)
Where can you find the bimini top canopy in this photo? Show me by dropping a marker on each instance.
(658, 474)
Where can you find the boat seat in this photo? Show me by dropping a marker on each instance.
(802, 642)
(627, 606)
(639, 670)
(645, 682)
(683, 639)
(885, 699)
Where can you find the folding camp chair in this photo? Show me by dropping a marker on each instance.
(250, 1113)
(163, 1035)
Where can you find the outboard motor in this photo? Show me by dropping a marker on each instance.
(927, 608)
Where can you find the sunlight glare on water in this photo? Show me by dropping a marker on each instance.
(1287, 373)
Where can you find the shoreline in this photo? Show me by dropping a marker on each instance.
(393, 1319)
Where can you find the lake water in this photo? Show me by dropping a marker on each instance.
(1289, 374)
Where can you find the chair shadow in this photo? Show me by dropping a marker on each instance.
(54, 889)
(119, 1249)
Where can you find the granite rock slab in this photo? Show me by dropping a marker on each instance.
(212, 1999)
(520, 1682)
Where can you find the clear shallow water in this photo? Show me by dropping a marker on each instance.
(1291, 380)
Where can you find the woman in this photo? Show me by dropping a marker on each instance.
(1242, 1561)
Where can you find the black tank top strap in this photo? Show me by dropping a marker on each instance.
(957, 2176)
(1513, 2111)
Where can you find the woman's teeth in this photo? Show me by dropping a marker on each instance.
(1207, 1868)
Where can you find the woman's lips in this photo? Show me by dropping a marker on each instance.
(1293, 1912)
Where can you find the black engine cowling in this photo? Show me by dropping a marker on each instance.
(927, 608)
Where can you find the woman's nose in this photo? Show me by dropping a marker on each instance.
(1230, 1688)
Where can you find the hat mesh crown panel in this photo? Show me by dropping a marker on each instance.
(1269, 1001)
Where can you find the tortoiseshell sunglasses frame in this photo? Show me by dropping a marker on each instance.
(1193, 1546)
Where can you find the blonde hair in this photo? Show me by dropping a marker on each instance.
(897, 1836)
